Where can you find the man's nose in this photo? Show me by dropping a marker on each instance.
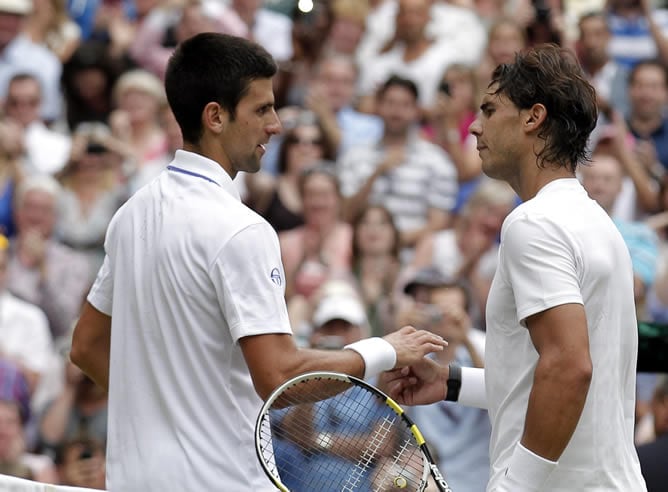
(475, 128)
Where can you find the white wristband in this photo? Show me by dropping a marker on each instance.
(378, 354)
(526, 472)
(472, 393)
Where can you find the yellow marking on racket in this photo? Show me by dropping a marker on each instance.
(393, 405)
(418, 435)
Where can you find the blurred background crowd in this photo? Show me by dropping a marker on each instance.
(374, 187)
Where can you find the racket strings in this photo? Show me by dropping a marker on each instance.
(348, 442)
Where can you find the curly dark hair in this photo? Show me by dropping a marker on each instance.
(550, 75)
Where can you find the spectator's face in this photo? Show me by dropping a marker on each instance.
(140, 106)
(603, 180)
(320, 200)
(504, 42)
(375, 234)
(462, 91)
(594, 38)
(10, 431)
(91, 84)
(346, 35)
(305, 147)
(338, 80)
(343, 330)
(37, 211)
(23, 101)
(399, 110)
(480, 226)
(10, 25)
(412, 19)
(647, 91)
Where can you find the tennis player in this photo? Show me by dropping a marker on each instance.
(186, 324)
(561, 348)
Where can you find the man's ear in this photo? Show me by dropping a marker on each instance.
(214, 118)
(534, 117)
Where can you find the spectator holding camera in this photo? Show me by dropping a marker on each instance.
(91, 193)
(454, 111)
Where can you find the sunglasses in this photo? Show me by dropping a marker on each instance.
(306, 141)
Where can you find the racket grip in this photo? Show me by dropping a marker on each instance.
(378, 354)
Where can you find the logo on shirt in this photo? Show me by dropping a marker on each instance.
(275, 276)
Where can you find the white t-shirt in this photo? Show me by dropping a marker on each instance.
(189, 271)
(25, 334)
(559, 248)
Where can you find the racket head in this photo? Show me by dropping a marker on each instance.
(358, 439)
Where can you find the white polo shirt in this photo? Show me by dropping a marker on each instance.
(189, 270)
(561, 247)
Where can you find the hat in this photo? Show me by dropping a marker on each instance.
(344, 307)
(429, 277)
(18, 7)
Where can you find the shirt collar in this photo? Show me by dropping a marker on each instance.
(206, 168)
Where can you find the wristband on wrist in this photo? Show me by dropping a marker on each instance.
(526, 472)
(454, 383)
(378, 354)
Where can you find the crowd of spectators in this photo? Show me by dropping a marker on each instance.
(374, 183)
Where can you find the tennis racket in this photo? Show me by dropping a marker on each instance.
(326, 432)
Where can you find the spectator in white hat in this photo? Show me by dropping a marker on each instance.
(339, 319)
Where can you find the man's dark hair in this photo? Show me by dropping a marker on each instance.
(551, 76)
(211, 67)
(396, 81)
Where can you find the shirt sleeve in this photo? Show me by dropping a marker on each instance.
(541, 264)
(101, 294)
(249, 280)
